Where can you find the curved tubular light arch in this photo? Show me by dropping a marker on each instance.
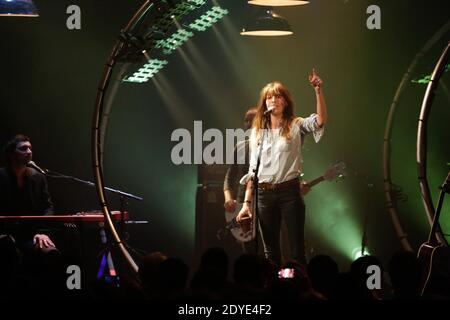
(421, 155)
(99, 129)
(388, 190)
(106, 111)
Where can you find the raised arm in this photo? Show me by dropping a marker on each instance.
(321, 108)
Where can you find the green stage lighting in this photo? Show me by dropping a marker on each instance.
(176, 13)
(147, 71)
(357, 253)
(208, 19)
(427, 78)
(169, 44)
(174, 41)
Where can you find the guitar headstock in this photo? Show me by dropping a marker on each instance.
(337, 170)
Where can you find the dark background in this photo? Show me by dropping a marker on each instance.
(51, 74)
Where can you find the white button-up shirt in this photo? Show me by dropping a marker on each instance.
(281, 158)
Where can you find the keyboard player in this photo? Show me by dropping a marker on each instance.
(24, 191)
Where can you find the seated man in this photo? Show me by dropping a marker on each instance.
(24, 191)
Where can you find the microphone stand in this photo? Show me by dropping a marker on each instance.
(255, 191)
(106, 260)
(123, 195)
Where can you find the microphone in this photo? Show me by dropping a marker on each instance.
(35, 166)
(269, 110)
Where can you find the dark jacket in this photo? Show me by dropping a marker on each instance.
(33, 200)
(36, 191)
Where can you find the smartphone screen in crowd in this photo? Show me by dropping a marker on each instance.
(286, 273)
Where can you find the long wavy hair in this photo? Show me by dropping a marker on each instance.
(263, 122)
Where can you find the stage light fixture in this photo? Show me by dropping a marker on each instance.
(176, 13)
(357, 253)
(18, 8)
(269, 24)
(166, 46)
(174, 41)
(147, 71)
(278, 3)
(208, 19)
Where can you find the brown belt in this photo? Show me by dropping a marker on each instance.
(278, 186)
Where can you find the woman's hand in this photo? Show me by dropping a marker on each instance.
(244, 214)
(244, 218)
(315, 80)
(42, 240)
(321, 108)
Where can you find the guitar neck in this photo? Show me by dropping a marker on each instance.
(312, 183)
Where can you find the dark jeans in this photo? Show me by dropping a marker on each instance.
(286, 204)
